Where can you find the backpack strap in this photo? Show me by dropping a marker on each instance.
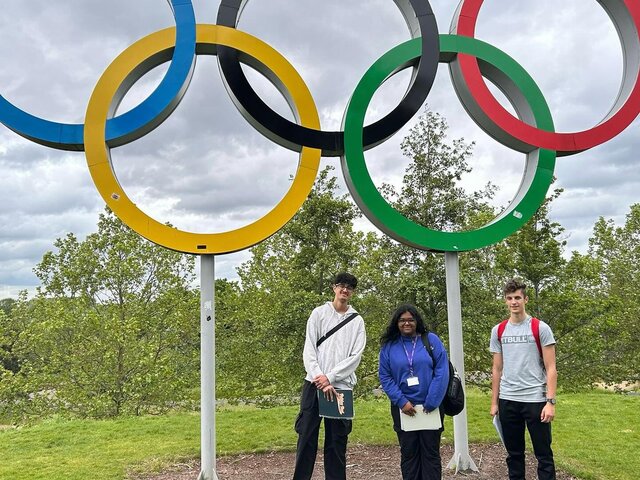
(535, 329)
(427, 345)
(501, 327)
(336, 328)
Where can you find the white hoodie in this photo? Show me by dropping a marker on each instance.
(339, 355)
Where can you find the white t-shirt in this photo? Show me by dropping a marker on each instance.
(524, 378)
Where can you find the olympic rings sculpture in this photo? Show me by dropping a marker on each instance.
(470, 61)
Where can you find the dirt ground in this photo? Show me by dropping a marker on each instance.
(364, 462)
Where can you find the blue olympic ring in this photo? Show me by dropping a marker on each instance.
(133, 124)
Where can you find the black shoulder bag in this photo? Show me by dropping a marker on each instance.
(453, 401)
(336, 328)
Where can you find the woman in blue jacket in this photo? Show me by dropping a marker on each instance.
(410, 378)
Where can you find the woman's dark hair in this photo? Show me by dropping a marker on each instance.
(392, 332)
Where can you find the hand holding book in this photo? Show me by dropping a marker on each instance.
(335, 403)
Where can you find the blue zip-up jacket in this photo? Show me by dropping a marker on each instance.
(393, 371)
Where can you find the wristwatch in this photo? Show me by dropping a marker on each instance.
(552, 401)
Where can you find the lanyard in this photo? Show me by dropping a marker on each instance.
(410, 357)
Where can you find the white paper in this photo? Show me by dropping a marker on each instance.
(421, 420)
(498, 425)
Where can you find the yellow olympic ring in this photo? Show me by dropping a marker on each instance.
(144, 55)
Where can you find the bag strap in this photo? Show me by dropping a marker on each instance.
(501, 327)
(336, 328)
(535, 329)
(427, 345)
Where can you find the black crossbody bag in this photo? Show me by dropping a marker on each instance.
(336, 328)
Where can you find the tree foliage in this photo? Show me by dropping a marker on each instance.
(534, 252)
(287, 276)
(432, 196)
(113, 329)
(616, 252)
(15, 317)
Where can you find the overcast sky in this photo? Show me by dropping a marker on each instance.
(206, 169)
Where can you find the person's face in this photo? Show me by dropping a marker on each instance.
(407, 324)
(343, 291)
(516, 302)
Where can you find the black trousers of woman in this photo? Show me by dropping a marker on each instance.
(336, 432)
(419, 451)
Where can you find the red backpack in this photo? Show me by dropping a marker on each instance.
(535, 329)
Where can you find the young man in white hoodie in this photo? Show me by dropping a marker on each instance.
(330, 365)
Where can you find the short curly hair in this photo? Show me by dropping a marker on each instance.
(513, 286)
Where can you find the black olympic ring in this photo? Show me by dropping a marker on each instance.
(421, 22)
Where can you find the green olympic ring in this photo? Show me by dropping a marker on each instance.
(526, 98)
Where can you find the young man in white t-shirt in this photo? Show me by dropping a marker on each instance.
(524, 385)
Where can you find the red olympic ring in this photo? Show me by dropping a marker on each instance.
(523, 137)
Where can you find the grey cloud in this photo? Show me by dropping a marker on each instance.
(17, 272)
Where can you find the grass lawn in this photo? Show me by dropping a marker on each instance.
(596, 437)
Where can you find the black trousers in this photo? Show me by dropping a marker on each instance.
(336, 432)
(419, 451)
(514, 416)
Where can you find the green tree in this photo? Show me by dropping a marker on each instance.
(6, 305)
(287, 276)
(431, 196)
(534, 253)
(576, 307)
(565, 294)
(617, 253)
(321, 236)
(114, 329)
(14, 318)
(582, 299)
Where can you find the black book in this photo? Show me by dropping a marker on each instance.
(340, 407)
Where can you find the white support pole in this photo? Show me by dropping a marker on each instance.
(207, 370)
(461, 459)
